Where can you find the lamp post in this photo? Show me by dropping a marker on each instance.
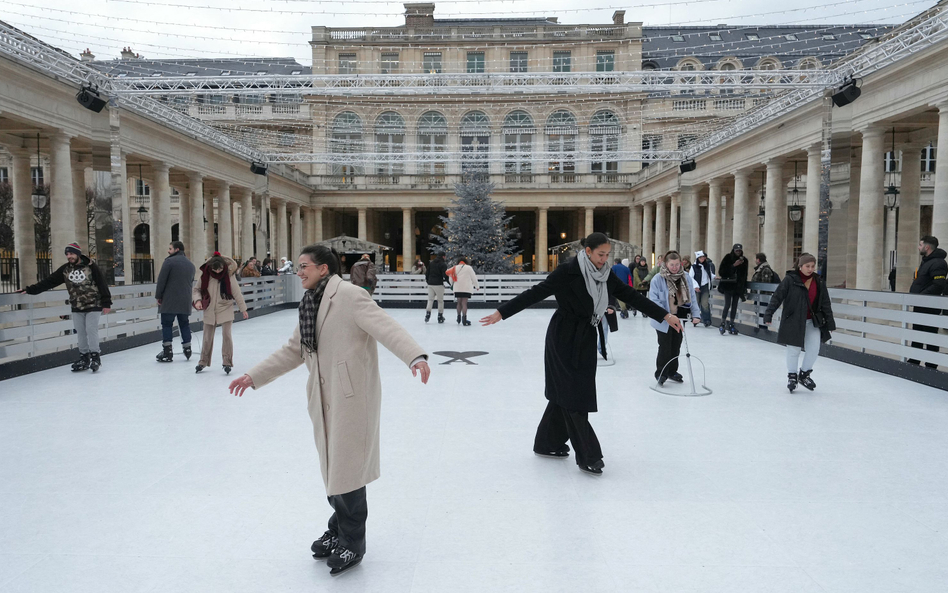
(891, 195)
(794, 210)
(39, 196)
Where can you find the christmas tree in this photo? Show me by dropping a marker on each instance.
(477, 229)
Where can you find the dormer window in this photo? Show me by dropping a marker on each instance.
(190, 73)
(678, 38)
(225, 72)
(296, 72)
(155, 74)
(829, 37)
(715, 36)
(865, 35)
(122, 75)
(790, 37)
(752, 36)
(261, 72)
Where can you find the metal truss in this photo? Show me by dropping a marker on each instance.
(361, 159)
(545, 83)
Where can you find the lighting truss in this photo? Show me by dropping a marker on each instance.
(372, 158)
(546, 83)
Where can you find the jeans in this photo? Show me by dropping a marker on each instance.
(704, 302)
(348, 519)
(811, 343)
(87, 330)
(167, 328)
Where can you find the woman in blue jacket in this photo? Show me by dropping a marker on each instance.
(673, 290)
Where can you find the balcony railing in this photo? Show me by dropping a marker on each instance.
(592, 180)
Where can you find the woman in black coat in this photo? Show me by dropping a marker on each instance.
(807, 318)
(570, 351)
(733, 284)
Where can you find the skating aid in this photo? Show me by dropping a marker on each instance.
(695, 392)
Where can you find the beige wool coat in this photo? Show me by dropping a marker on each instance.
(344, 390)
(220, 311)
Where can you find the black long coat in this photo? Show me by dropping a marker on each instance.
(728, 271)
(570, 352)
(792, 293)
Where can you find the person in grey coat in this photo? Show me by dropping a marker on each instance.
(174, 299)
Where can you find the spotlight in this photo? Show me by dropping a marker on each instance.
(687, 166)
(89, 98)
(258, 168)
(847, 93)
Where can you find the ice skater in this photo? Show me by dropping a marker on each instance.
(89, 297)
(339, 327)
(733, 285)
(582, 287)
(673, 289)
(216, 295)
(807, 319)
(173, 292)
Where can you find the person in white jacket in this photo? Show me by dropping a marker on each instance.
(465, 283)
(286, 266)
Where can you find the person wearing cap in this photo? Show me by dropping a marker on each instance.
(702, 272)
(89, 297)
(733, 284)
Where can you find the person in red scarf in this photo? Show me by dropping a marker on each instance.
(807, 319)
(215, 295)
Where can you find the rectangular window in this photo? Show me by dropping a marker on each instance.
(36, 174)
(686, 139)
(678, 38)
(928, 159)
(389, 64)
(790, 37)
(518, 61)
(141, 188)
(651, 143)
(752, 36)
(562, 61)
(605, 61)
(829, 37)
(715, 36)
(4, 175)
(347, 63)
(892, 161)
(432, 62)
(475, 62)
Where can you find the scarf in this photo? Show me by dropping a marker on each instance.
(222, 277)
(309, 308)
(811, 291)
(678, 293)
(595, 285)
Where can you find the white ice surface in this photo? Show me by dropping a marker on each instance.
(148, 478)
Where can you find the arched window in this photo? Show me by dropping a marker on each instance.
(346, 138)
(809, 63)
(689, 65)
(768, 64)
(561, 132)
(475, 142)
(727, 66)
(518, 143)
(390, 140)
(604, 132)
(432, 137)
(649, 65)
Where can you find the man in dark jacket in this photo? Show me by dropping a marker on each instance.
(733, 275)
(436, 276)
(702, 272)
(89, 296)
(174, 300)
(625, 275)
(930, 280)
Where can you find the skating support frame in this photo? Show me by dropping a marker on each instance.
(695, 392)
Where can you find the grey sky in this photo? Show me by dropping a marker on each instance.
(158, 29)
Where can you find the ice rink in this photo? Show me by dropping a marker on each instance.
(148, 478)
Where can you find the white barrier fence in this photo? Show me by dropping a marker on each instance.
(493, 288)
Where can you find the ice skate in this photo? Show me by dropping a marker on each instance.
(166, 354)
(323, 547)
(464, 321)
(81, 364)
(805, 380)
(791, 381)
(427, 316)
(732, 329)
(187, 352)
(227, 369)
(440, 318)
(96, 362)
(199, 368)
(342, 559)
(722, 329)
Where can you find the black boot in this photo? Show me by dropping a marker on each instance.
(732, 329)
(342, 559)
(427, 316)
(323, 547)
(459, 318)
(805, 379)
(791, 381)
(166, 354)
(227, 369)
(440, 318)
(82, 363)
(96, 362)
(723, 328)
(199, 368)
(187, 351)
(464, 320)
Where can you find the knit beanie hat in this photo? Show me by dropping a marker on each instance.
(73, 248)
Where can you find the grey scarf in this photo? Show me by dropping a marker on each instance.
(309, 308)
(596, 285)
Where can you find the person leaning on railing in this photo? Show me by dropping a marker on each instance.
(929, 280)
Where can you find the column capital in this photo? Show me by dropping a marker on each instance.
(871, 131)
(160, 167)
(222, 185)
(815, 148)
(775, 162)
(195, 177)
(61, 136)
(715, 183)
(745, 173)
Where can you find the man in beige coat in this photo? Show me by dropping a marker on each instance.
(344, 392)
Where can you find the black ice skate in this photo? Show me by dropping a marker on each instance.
(342, 559)
(82, 363)
(199, 368)
(723, 328)
(227, 369)
(440, 318)
(323, 547)
(805, 380)
(427, 316)
(166, 354)
(560, 454)
(791, 381)
(464, 321)
(187, 351)
(732, 329)
(96, 362)
(594, 470)
(459, 318)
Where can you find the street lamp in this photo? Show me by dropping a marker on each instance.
(795, 211)
(39, 196)
(761, 214)
(891, 195)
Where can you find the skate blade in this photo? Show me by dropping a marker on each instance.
(338, 571)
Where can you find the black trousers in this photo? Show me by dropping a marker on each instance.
(348, 520)
(559, 425)
(730, 306)
(925, 328)
(669, 346)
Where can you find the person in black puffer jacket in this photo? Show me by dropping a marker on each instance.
(436, 277)
(733, 276)
(930, 280)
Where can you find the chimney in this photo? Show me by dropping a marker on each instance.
(87, 56)
(128, 54)
(419, 14)
(618, 17)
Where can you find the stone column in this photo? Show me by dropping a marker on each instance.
(265, 222)
(225, 233)
(246, 224)
(62, 212)
(297, 231)
(282, 235)
(363, 225)
(635, 227)
(673, 223)
(24, 231)
(318, 225)
(161, 213)
(870, 210)
(811, 212)
(198, 242)
(184, 219)
(742, 208)
(714, 220)
(210, 215)
(661, 226)
(774, 239)
(688, 220)
(81, 214)
(408, 239)
(909, 217)
(647, 232)
(589, 222)
(727, 234)
(940, 200)
(542, 248)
